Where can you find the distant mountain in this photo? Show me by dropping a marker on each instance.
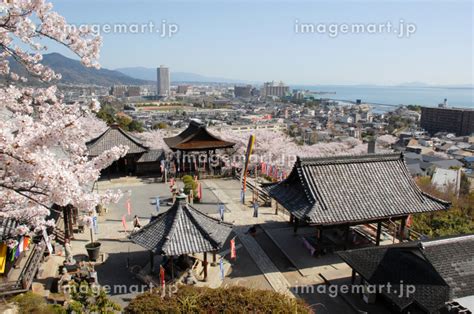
(149, 74)
(74, 72)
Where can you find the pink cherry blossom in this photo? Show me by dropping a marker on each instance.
(43, 155)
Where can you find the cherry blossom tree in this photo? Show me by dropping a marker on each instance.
(43, 156)
(386, 140)
(277, 148)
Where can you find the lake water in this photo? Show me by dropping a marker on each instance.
(425, 96)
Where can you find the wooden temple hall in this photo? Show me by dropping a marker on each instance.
(352, 200)
(139, 159)
(194, 148)
(183, 237)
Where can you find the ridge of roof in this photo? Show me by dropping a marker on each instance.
(129, 136)
(341, 159)
(449, 240)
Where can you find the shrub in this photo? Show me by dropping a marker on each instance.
(189, 184)
(190, 299)
(86, 299)
(32, 303)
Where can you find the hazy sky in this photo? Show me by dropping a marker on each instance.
(256, 40)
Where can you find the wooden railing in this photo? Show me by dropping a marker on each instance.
(24, 281)
(412, 234)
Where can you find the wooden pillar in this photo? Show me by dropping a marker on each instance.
(214, 258)
(276, 208)
(217, 162)
(402, 229)
(204, 264)
(75, 215)
(172, 268)
(67, 222)
(379, 231)
(320, 237)
(346, 236)
(152, 262)
(295, 225)
(353, 277)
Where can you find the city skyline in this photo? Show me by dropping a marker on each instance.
(211, 40)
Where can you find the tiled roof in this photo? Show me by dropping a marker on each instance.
(440, 270)
(152, 156)
(351, 189)
(182, 230)
(112, 137)
(196, 137)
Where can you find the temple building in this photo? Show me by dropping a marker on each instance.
(139, 159)
(182, 230)
(191, 143)
(371, 191)
(438, 273)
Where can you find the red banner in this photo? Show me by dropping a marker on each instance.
(162, 277)
(199, 191)
(129, 207)
(124, 223)
(233, 252)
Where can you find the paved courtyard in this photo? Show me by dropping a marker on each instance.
(274, 259)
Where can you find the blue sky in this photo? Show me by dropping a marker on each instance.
(255, 40)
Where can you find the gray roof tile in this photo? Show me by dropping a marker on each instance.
(440, 270)
(348, 189)
(112, 137)
(182, 230)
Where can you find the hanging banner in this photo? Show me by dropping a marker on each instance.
(48, 242)
(124, 223)
(199, 191)
(157, 204)
(162, 277)
(221, 210)
(3, 257)
(129, 207)
(221, 267)
(95, 225)
(233, 253)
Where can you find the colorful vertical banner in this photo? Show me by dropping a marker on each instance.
(95, 225)
(129, 207)
(157, 205)
(221, 268)
(255, 209)
(409, 221)
(3, 257)
(199, 191)
(233, 252)
(162, 277)
(48, 242)
(124, 223)
(221, 210)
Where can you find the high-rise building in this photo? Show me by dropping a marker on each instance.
(133, 91)
(442, 119)
(118, 90)
(182, 89)
(275, 89)
(163, 81)
(242, 91)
